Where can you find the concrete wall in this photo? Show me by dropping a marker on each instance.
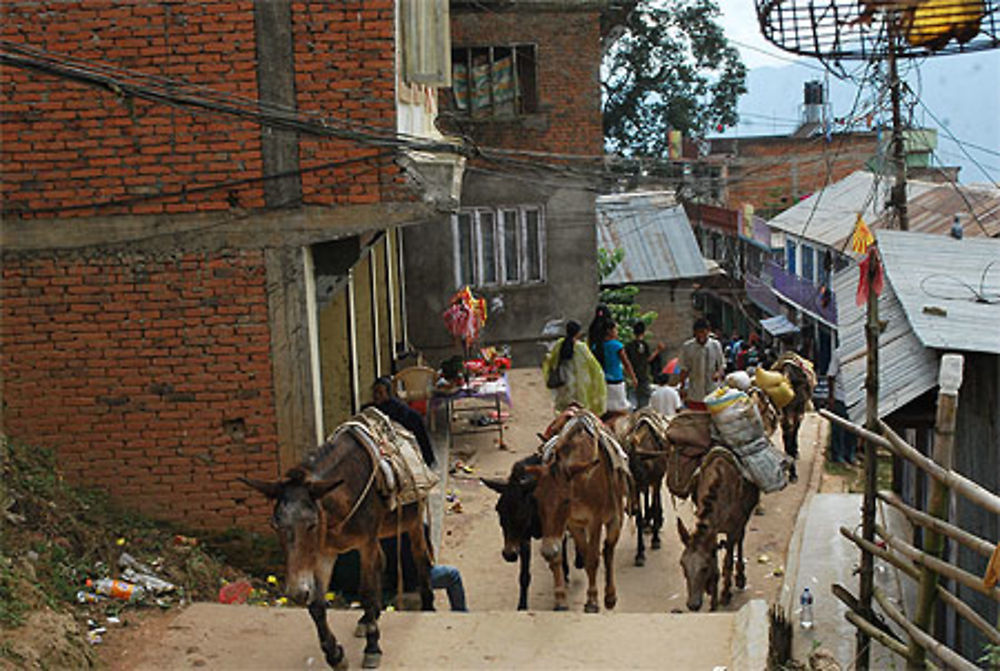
(569, 291)
(675, 313)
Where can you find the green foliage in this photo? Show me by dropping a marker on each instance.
(991, 656)
(621, 300)
(672, 68)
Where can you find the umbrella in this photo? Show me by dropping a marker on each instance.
(672, 368)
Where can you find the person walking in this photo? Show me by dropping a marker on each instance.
(843, 444)
(702, 365)
(641, 358)
(580, 378)
(666, 400)
(610, 353)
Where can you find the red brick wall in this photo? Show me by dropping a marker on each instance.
(151, 376)
(774, 173)
(68, 144)
(568, 58)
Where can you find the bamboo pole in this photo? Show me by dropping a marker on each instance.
(944, 568)
(903, 565)
(851, 602)
(950, 658)
(859, 431)
(974, 618)
(950, 379)
(961, 484)
(877, 634)
(971, 541)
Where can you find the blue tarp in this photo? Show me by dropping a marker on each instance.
(779, 326)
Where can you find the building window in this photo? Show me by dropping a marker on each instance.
(492, 82)
(790, 257)
(808, 263)
(503, 246)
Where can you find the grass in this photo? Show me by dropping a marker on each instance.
(855, 475)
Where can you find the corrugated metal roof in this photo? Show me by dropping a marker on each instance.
(655, 234)
(906, 368)
(828, 216)
(949, 289)
(934, 210)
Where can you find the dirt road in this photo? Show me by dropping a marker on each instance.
(472, 541)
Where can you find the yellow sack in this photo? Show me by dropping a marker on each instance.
(766, 379)
(781, 394)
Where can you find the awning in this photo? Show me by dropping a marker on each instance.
(779, 326)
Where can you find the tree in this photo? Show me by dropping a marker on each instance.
(621, 300)
(671, 68)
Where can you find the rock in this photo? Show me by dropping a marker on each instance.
(822, 659)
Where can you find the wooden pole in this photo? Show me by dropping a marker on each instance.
(950, 658)
(940, 497)
(971, 541)
(877, 634)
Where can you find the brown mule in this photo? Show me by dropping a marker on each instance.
(327, 505)
(582, 489)
(724, 501)
(648, 449)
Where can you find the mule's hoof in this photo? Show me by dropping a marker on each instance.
(640, 560)
(591, 608)
(655, 543)
(610, 600)
(725, 598)
(371, 660)
(337, 660)
(741, 582)
(561, 607)
(360, 630)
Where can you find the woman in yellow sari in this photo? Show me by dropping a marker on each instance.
(580, 374)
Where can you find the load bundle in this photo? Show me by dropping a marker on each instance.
(737, 423)
(775, 385)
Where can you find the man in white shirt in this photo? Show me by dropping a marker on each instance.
(842, 442)
(666, 400)
(702, 364)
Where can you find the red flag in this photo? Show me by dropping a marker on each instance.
(871, 267)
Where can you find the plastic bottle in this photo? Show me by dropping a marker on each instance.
(806, 616)
(117, 589)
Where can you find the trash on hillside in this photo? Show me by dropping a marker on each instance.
(235, 592)
(764, 559)
(117, 589)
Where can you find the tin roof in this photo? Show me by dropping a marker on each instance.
(949, 289)
(655, 234)
(940, 294)
(828, 215)
(933, 211)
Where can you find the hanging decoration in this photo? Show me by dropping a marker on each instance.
(465, 317)
(861, 238)
(871, 273)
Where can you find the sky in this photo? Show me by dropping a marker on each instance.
(959, 94)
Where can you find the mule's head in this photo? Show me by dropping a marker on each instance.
(517, 510)
(300, 522)
(554, 494)
(701, 567)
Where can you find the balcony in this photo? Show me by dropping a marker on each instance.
(803, 293)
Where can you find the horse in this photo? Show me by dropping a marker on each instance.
(519, 520)
(327, 505)
(724, 501)
(582, 485)
(648, 448)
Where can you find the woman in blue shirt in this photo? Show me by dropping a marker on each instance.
(610, 352)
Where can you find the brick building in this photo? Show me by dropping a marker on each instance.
(525, 76)
(201, 247)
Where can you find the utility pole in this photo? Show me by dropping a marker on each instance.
(898, 141)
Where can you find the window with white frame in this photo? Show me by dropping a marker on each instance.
(808, 263)
(499, 246)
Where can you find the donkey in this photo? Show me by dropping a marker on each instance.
(581, 489)
(724, 501)
(327, 505)
(518, 511)
(648, 448)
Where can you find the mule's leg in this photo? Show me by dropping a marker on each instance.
(565, 557)
(332, 651)
(640, 550)
(727, 573)
(589, 539)
(712, 588)
(646, 506)
(611, 534)
(741, 576)
(524, 579)
(422, 558)
(559, 579)
(371, 599)
(790, 438)
(657, 513)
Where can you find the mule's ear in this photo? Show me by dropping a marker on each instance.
(318, 490)
(496, 485)
(682, 530)
(534, 469)
(270, 489)
(576, 469)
